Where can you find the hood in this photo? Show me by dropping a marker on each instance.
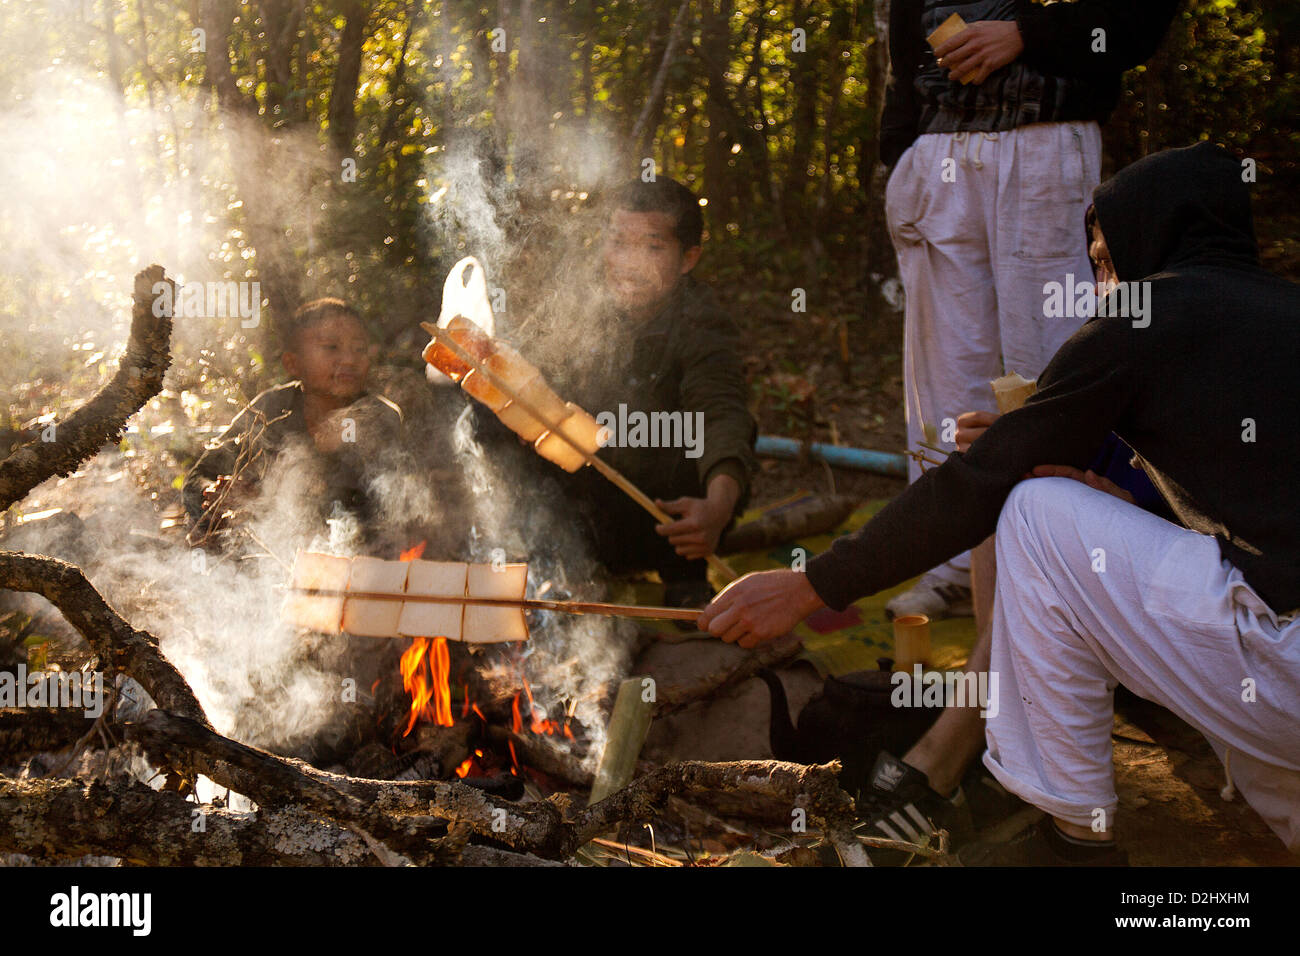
(1174, 208)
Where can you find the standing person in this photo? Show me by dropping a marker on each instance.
(995, 144)
(1092, 591)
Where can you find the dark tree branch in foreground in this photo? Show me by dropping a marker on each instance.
(25, 731)
(117, 644)
(404, 812)
(101, 420)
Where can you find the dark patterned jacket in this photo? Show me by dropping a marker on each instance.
(1067, 71)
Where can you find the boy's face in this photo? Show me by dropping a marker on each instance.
(331, 358)
(644, 260)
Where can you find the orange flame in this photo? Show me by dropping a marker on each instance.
(428, 685)
(413, 553)
(426, 666)
(536, 724)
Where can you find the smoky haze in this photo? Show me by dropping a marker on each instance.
(98, 183)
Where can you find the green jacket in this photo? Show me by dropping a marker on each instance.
(684, 360)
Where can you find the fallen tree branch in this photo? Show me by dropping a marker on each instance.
(117, 644)
(814, 789)
(101, 420)
(62, 819)
(25, 731)
(672, 698)
(403, 812)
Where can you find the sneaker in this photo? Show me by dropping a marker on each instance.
(933, 597)
(899, 804)
(1042, 844)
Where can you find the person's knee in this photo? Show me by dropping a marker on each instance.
(1033, 512)
(1036, 502)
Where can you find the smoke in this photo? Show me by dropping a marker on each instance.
(98, 185)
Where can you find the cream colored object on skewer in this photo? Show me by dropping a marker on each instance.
(1011, 391)
(581, 429)
(497, 581)
(374, 616)
(318, 572)
(434, 579)
(538, 394)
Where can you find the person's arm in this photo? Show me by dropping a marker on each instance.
(713, 382)
(899, 117)
(1061, 39)
(1082, 394)
(217, 459)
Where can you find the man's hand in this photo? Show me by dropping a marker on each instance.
(1089, 478)
(984, 46)
(970, 425)
(700, 521)
(760, 607)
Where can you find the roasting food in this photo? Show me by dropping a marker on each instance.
(323, 588)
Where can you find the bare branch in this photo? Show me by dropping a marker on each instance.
(101, 420)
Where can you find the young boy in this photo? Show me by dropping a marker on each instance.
(678, 353)
(325, 412)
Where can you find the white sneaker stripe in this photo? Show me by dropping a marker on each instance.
(916, 815)
(889, 831)
(905, 826)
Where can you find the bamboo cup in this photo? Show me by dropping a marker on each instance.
(911, 641)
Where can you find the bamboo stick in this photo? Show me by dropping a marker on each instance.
(629, 722)
(606, 469)
(533, 604)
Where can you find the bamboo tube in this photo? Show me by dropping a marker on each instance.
(629, 722)
(911, 641)
(635, 493)
(532, 604)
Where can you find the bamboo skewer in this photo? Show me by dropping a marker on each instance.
(609, 471)
(531, 604)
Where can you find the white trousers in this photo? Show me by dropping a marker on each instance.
(1092, 592)
(980, 222)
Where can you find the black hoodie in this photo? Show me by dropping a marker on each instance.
(1215, 366)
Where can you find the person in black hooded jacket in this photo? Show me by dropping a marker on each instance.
(1092, 591)
(994, 139)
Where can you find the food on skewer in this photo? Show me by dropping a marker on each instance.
(581, 429)
(428, 578)
(367, 597)
(375, 618)
(469, 337)
(507, 581)
(569, 441)
(475, 603)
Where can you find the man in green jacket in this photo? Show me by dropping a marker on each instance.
(671, 388)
